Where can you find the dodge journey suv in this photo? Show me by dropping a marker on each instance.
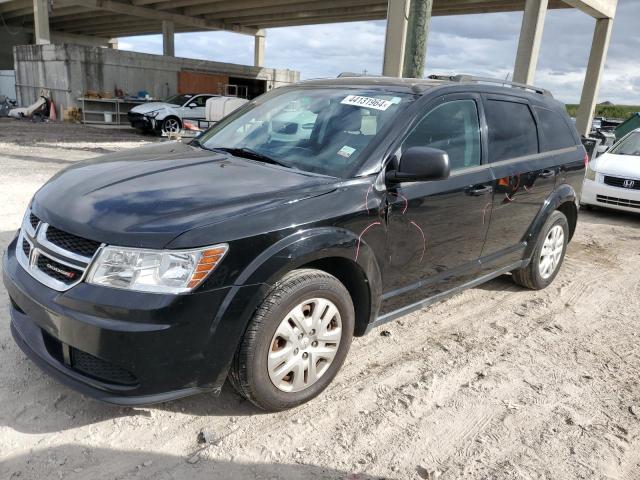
(311, 215)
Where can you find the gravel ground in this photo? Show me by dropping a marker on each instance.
(496, 383)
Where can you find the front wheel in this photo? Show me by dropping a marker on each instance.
(296, 342)
(548, 254)
(171, 125)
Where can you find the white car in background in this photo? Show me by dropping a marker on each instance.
(612, 180)
(168, 116)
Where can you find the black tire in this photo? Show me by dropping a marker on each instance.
(530, 276)
(166, 121)
(249, 373)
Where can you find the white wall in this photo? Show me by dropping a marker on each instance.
(8, 83)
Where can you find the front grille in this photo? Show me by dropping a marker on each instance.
(72, 243)
(26, 248)
(100, 369)
(87, 364)
(58, 271)
(620, 202)
(619, 182)
(33, 220)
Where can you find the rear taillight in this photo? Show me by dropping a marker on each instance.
(586, 160)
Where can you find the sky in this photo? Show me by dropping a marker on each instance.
(483, 45)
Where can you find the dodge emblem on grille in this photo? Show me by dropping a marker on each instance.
(628, 183)
(59, 270)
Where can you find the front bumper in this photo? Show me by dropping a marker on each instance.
(141, 121)
(603, 195)
(128, 348)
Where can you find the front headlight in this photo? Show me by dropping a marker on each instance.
(159, 271)
(590, 173)
(153, 114)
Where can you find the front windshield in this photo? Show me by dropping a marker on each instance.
(321, 130)
(179, 99)
(629, 146)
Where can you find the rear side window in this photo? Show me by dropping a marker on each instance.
(556, 134)
(453, 127)
(512, 130)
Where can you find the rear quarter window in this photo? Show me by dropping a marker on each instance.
(554, 129)
(512, 130)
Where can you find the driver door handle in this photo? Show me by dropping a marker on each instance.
(478, 190)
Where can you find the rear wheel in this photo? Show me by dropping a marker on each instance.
(547, 256)
(296, 341)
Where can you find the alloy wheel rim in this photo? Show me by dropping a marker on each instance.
(171, 126)
(304, 345)
(551, 253)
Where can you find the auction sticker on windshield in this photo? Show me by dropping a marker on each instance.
(368, 102)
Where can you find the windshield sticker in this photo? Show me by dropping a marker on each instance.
(346, 151)
(368, 102)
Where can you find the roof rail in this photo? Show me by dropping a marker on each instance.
(353, 74)
(497, 81)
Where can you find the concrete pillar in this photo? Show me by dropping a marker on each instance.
(415, 49)
(168, 38)
(535, 12)
(591, 88)
(394, 44)
(258, 48)
(41, 22)
(113, 43)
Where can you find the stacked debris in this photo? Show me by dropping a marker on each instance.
(41, 110)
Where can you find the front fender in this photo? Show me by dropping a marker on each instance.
(256, 281)
(565, 193)
(310, 245)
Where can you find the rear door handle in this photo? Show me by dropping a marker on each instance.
(476, 191)
(547, 173)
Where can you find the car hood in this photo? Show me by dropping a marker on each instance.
(146, 197)
(626, 166)
(151, 107)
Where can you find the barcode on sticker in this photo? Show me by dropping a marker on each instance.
(369, 102)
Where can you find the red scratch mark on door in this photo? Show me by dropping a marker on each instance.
(362, 234)
(424, 239)
(484, 212)
(366, 198)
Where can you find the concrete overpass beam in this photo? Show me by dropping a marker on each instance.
(535, 12)
(168, 38)
(396, 37)
(41, 22)
(258, 48)
(591, 88)
(595, 8)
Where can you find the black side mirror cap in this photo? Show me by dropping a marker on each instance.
(419, 164)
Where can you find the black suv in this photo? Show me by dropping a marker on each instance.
(312, 214)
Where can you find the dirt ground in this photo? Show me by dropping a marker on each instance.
(496, 383)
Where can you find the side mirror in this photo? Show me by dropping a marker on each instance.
(419, 164)
(192, 105)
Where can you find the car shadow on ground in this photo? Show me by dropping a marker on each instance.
(73, 462)
(605, 216)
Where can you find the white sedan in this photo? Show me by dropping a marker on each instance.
(612, 180)
(168, 116)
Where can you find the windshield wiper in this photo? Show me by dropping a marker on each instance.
(197, 143)
(252, 154)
